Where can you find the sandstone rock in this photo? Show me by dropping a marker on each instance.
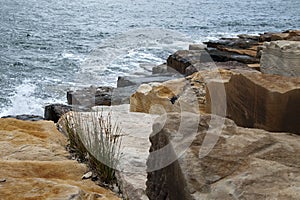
(136, 128)
(223, 56)
(182, 59)
(188, 61)
(264, 101)
(35, 164)
(158, 98)
(54, 111)
(243, 163)
(281, 57)
(292, 35)
(241, 43)
(185, 94)
(242, 49)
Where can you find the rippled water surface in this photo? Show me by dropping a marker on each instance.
(46, 47)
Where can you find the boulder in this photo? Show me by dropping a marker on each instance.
(281, 57)
(34, 164)
(242, 163)
(54, 111)
(270, 102)
(184, 94)
(182, 59)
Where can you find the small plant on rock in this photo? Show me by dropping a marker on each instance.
(95, 139)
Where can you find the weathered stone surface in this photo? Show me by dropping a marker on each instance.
(281, 57)
(243, 164)
(264, 101)
(185, 94)
(34, 164)
(54, 111)
(91, 96)
(292, 35)
(136, 128)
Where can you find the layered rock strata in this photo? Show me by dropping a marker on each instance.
(34, 164)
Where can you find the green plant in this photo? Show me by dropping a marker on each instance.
(96, 139)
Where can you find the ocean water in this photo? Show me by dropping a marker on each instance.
(48, 47)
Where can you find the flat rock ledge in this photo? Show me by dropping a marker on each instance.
(34, 164)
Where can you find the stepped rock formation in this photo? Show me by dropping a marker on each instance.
(270, 102)
(243, 164)
(34, 164)
(281, 57)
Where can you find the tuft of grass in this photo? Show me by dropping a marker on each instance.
(95, 140)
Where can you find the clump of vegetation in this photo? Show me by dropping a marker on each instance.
(95, 140)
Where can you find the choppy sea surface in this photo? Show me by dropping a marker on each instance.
(50, 46)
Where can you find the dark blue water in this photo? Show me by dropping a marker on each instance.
(47, 47)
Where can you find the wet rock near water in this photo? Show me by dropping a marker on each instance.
(292, 35)
(53, 112)
(25, 117)
(90, 96)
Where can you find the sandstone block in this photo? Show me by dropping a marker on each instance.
(264, 101)
(243, 163)
(34, 164)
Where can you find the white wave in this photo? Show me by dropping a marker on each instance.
(25, 101)
(128, 53)
(73, 56)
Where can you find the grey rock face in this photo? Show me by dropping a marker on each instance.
(281, 58)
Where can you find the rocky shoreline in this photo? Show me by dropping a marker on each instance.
(249, 84)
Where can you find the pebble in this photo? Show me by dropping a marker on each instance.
(87, 175)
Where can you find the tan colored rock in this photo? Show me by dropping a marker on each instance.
(179, 95)
(35, 164)
(281, 58)
(264, 101)
(243, 164)
(292, 35)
